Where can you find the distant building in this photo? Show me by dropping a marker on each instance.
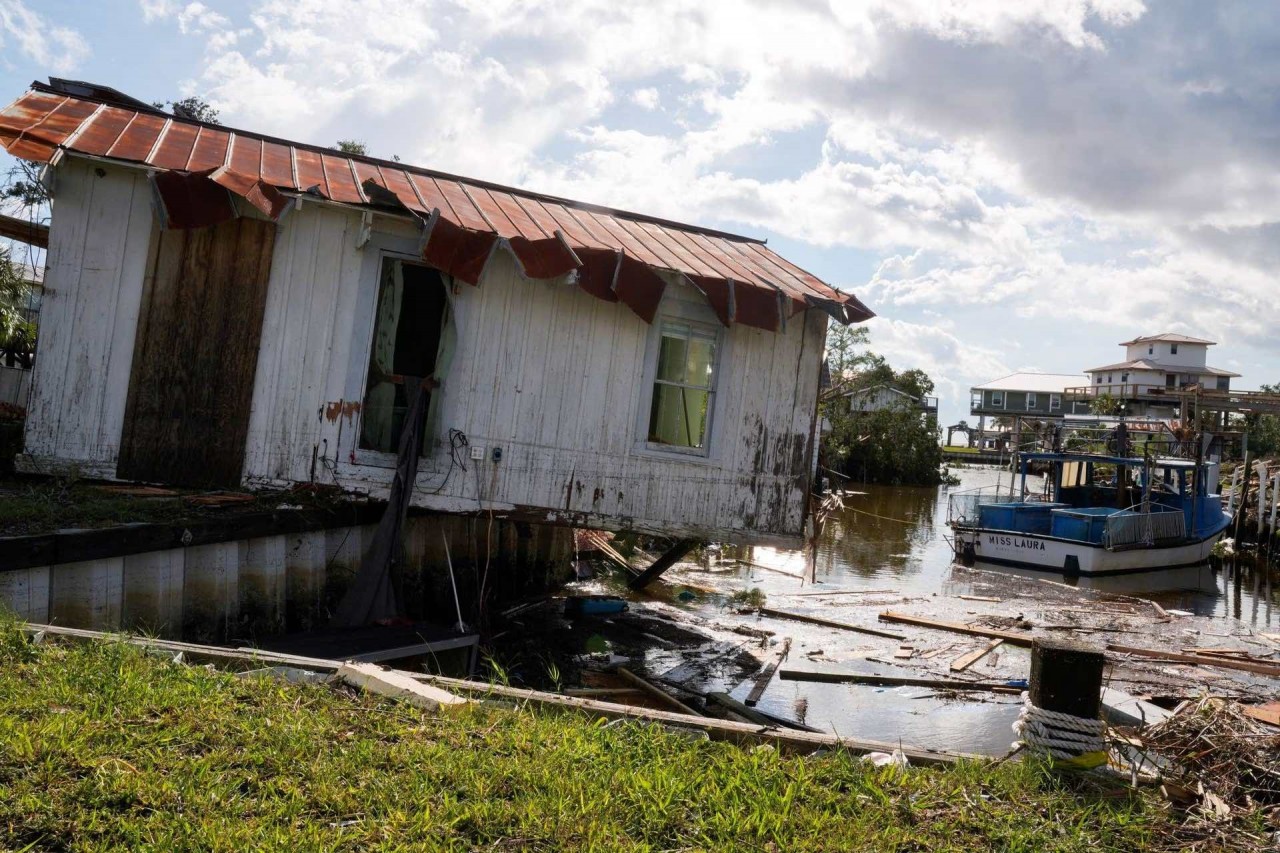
(1031, 395)
(881, 397)
(1154, 366)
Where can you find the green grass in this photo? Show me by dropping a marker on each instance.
(104, 746)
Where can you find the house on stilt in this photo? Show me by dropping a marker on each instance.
(226, 309)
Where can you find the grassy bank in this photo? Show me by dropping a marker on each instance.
(104, 747)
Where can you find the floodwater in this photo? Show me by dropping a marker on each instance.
(896, 537)
(889, 546)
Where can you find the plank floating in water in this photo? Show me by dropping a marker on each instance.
(766, 674)
(963, 662)
(755, 715)
(828, 623)
(1015, 638)
(900, 681)
(1270, 669)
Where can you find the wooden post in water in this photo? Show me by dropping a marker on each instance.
(660, 565)
(1067, 678)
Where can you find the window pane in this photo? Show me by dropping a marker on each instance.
(702, 357)
(678, 416)
(672, 357)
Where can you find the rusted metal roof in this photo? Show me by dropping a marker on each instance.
(615, 253)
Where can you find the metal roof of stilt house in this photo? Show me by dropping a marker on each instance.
(615, 255)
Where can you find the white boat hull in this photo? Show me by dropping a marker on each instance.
(1066, 556)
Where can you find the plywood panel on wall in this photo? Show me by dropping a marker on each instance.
(196, 355)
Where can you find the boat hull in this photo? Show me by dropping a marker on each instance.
(1067, 556)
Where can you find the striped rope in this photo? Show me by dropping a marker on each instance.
(1059, 735)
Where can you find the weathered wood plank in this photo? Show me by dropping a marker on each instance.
(829, 623)
(963, 662)
(766, 674)
(1016, 638)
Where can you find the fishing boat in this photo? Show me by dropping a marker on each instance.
(1096, 516)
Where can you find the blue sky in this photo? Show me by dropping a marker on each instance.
(1009, 186)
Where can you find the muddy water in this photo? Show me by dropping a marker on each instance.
(889, 546)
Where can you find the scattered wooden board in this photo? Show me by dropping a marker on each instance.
(793, 741)
(905, 651)
(963, 662)
(656, 692)
(397, 685)
(846, 592)
(752, 715)
(1268, 713)
(894, 681)
(1270, 669)
(979, 598)
(828, 623)
(766, 674)
(1016, 638)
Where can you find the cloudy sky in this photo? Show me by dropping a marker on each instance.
(1009, 185)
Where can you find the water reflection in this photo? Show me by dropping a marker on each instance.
(896, 537)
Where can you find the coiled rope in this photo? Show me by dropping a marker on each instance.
(1062, 736)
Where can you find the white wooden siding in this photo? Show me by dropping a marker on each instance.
(99, 245)
(551, 375)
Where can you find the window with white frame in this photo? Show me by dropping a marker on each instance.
(1031, 400)
(997, 399)
(1173, 349)
(1055, 402)
(684, 384)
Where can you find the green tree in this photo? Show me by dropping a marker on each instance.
(17, 334)
(1264, 430)
(194, 108)
(895, 444)
(351, 146)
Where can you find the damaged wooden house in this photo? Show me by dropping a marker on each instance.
(228, 310)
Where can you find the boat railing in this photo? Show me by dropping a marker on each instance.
(1144, 525)
(962, 507)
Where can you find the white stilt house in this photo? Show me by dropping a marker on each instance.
(223, 308)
